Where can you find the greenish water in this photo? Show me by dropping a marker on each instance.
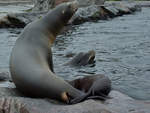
(122, 47)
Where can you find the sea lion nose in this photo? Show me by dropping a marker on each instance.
(74, 5)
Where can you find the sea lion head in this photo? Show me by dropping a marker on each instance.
(90, 57)
(83, 59)
(57, 18)
(69, 9)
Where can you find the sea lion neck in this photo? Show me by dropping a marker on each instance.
(53, 23)
(57, 18)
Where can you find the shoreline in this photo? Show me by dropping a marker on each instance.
(139, 3)
(15, 2)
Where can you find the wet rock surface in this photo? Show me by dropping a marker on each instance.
(84, 14)
(12, 101)
(119, 103)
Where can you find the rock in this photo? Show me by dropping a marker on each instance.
(9, 92)
(11, 21)
(124, 5)
(125, 104)
(28, 105)
(45, 5)
(112, 11)
(122, 8)
(42, 5)
(84, 14)
(19, 20)
(85, 3)
(57, 2)
(15, 2)
(7, 84)
(119, 103)
(143, 3)
(12, 105)
(91, 13)
(95, 12)
(4, 76)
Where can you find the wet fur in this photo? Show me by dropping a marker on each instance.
(31, 64)
(95, 87)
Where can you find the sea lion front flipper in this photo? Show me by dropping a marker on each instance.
(50, 61)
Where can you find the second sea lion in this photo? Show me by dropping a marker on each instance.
(83, 59)
(95, 86)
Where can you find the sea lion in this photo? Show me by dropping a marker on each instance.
(31, 64)
(83, 59)
(95, 86)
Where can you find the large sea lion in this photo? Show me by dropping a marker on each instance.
(31, 65)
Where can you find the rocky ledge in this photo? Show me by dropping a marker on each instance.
(84, 14)
(12, 102)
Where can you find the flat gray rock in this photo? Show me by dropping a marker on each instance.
(13, 102)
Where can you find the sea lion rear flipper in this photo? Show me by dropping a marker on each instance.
(100, 97)
(78, 99)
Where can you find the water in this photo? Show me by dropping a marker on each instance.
(122, 48)
(13, 9)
